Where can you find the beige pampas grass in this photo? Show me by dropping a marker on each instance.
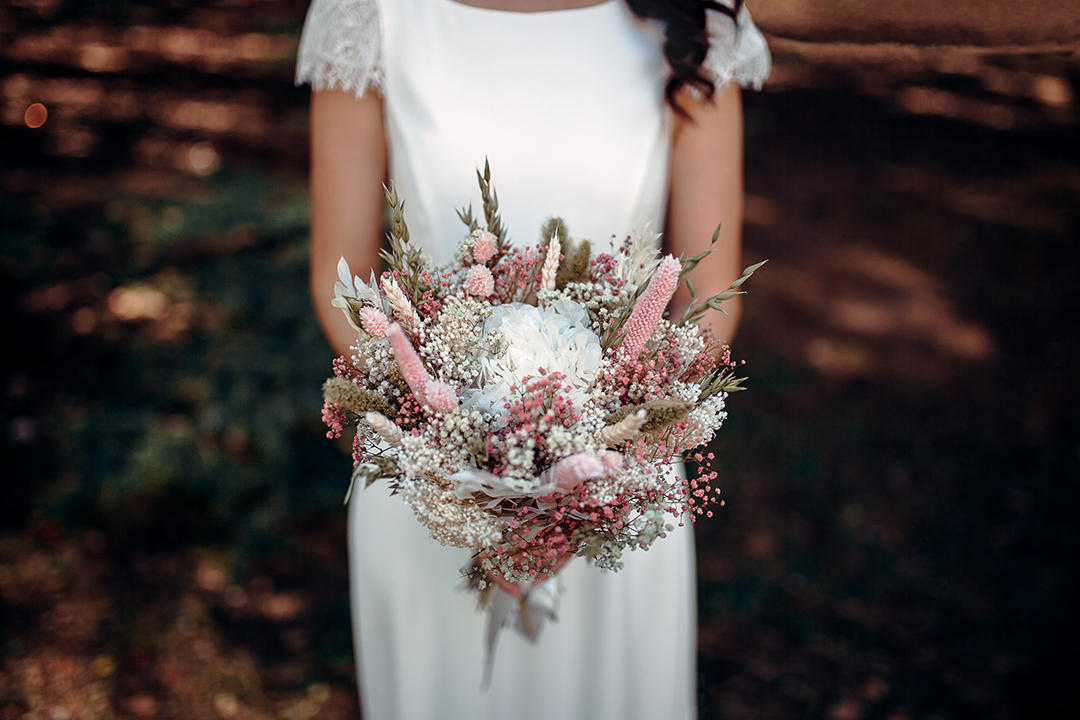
(551, 264)
(384, 427)
(625, 429)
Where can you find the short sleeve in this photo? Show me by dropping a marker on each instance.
(340, 48)
(738, 52)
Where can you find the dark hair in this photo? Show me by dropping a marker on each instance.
(686, 40)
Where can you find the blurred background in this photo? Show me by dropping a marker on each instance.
(899, 538)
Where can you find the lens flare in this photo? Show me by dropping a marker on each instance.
(35, 115)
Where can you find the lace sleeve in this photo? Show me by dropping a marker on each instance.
(737, 53)
(340, 46)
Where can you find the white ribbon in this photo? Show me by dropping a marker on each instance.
(539, 603)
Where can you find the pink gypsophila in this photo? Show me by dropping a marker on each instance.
(374, 322)
(650, 306)
(479, 281)
(484, 247)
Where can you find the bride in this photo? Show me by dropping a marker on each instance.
(613, 115)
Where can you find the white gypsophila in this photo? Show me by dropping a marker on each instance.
(417, 456)
(456, 435)
(586, 432)
(634, 476)
(442, 447)
(703, 421)
(688, 392)
(562, 442)
(684, 342)
(383, 373)
(450, 520)
(453, 339)
(556, 338)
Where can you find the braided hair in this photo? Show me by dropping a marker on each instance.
(686, 41)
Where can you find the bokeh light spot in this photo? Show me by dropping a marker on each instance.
(203, 158)
(36, 115)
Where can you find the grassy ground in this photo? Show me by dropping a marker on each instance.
(899, 532)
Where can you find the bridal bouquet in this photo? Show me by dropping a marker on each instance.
(531, 403)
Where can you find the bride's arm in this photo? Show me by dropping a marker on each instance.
(707, 189)
(348, 168)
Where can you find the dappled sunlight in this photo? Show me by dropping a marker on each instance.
(965, 84)
(867, 313)
(111, 49)
(100, 58)
(167, 317)
(137, 303)
(935, 101)
(1024, 203)
(163, 308)
(96, 77)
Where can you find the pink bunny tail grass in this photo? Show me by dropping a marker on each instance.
(650, 306)
(484, 246)
(612, 462)
(575, 469)
(440, 396)
(412, 369)
(479, 281)
(374, 322)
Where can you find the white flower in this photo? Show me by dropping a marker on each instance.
(556, 338)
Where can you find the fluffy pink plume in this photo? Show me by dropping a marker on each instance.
(575, 469)
(479, 281)
(650, 306)
(612, 461)
(412, 368)
(374, 322)
(441, 397)
(484, 246)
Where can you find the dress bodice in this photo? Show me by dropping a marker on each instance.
(567, 106)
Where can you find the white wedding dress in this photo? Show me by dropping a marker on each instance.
(568, 107)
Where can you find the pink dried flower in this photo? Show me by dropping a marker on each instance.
(573, 470)
(650, 306)
(484, 247)
(441, 397)
(374, 321)
(612, 461)
(479, 281)
(412, 368)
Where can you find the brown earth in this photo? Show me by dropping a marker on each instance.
(1000, 24)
